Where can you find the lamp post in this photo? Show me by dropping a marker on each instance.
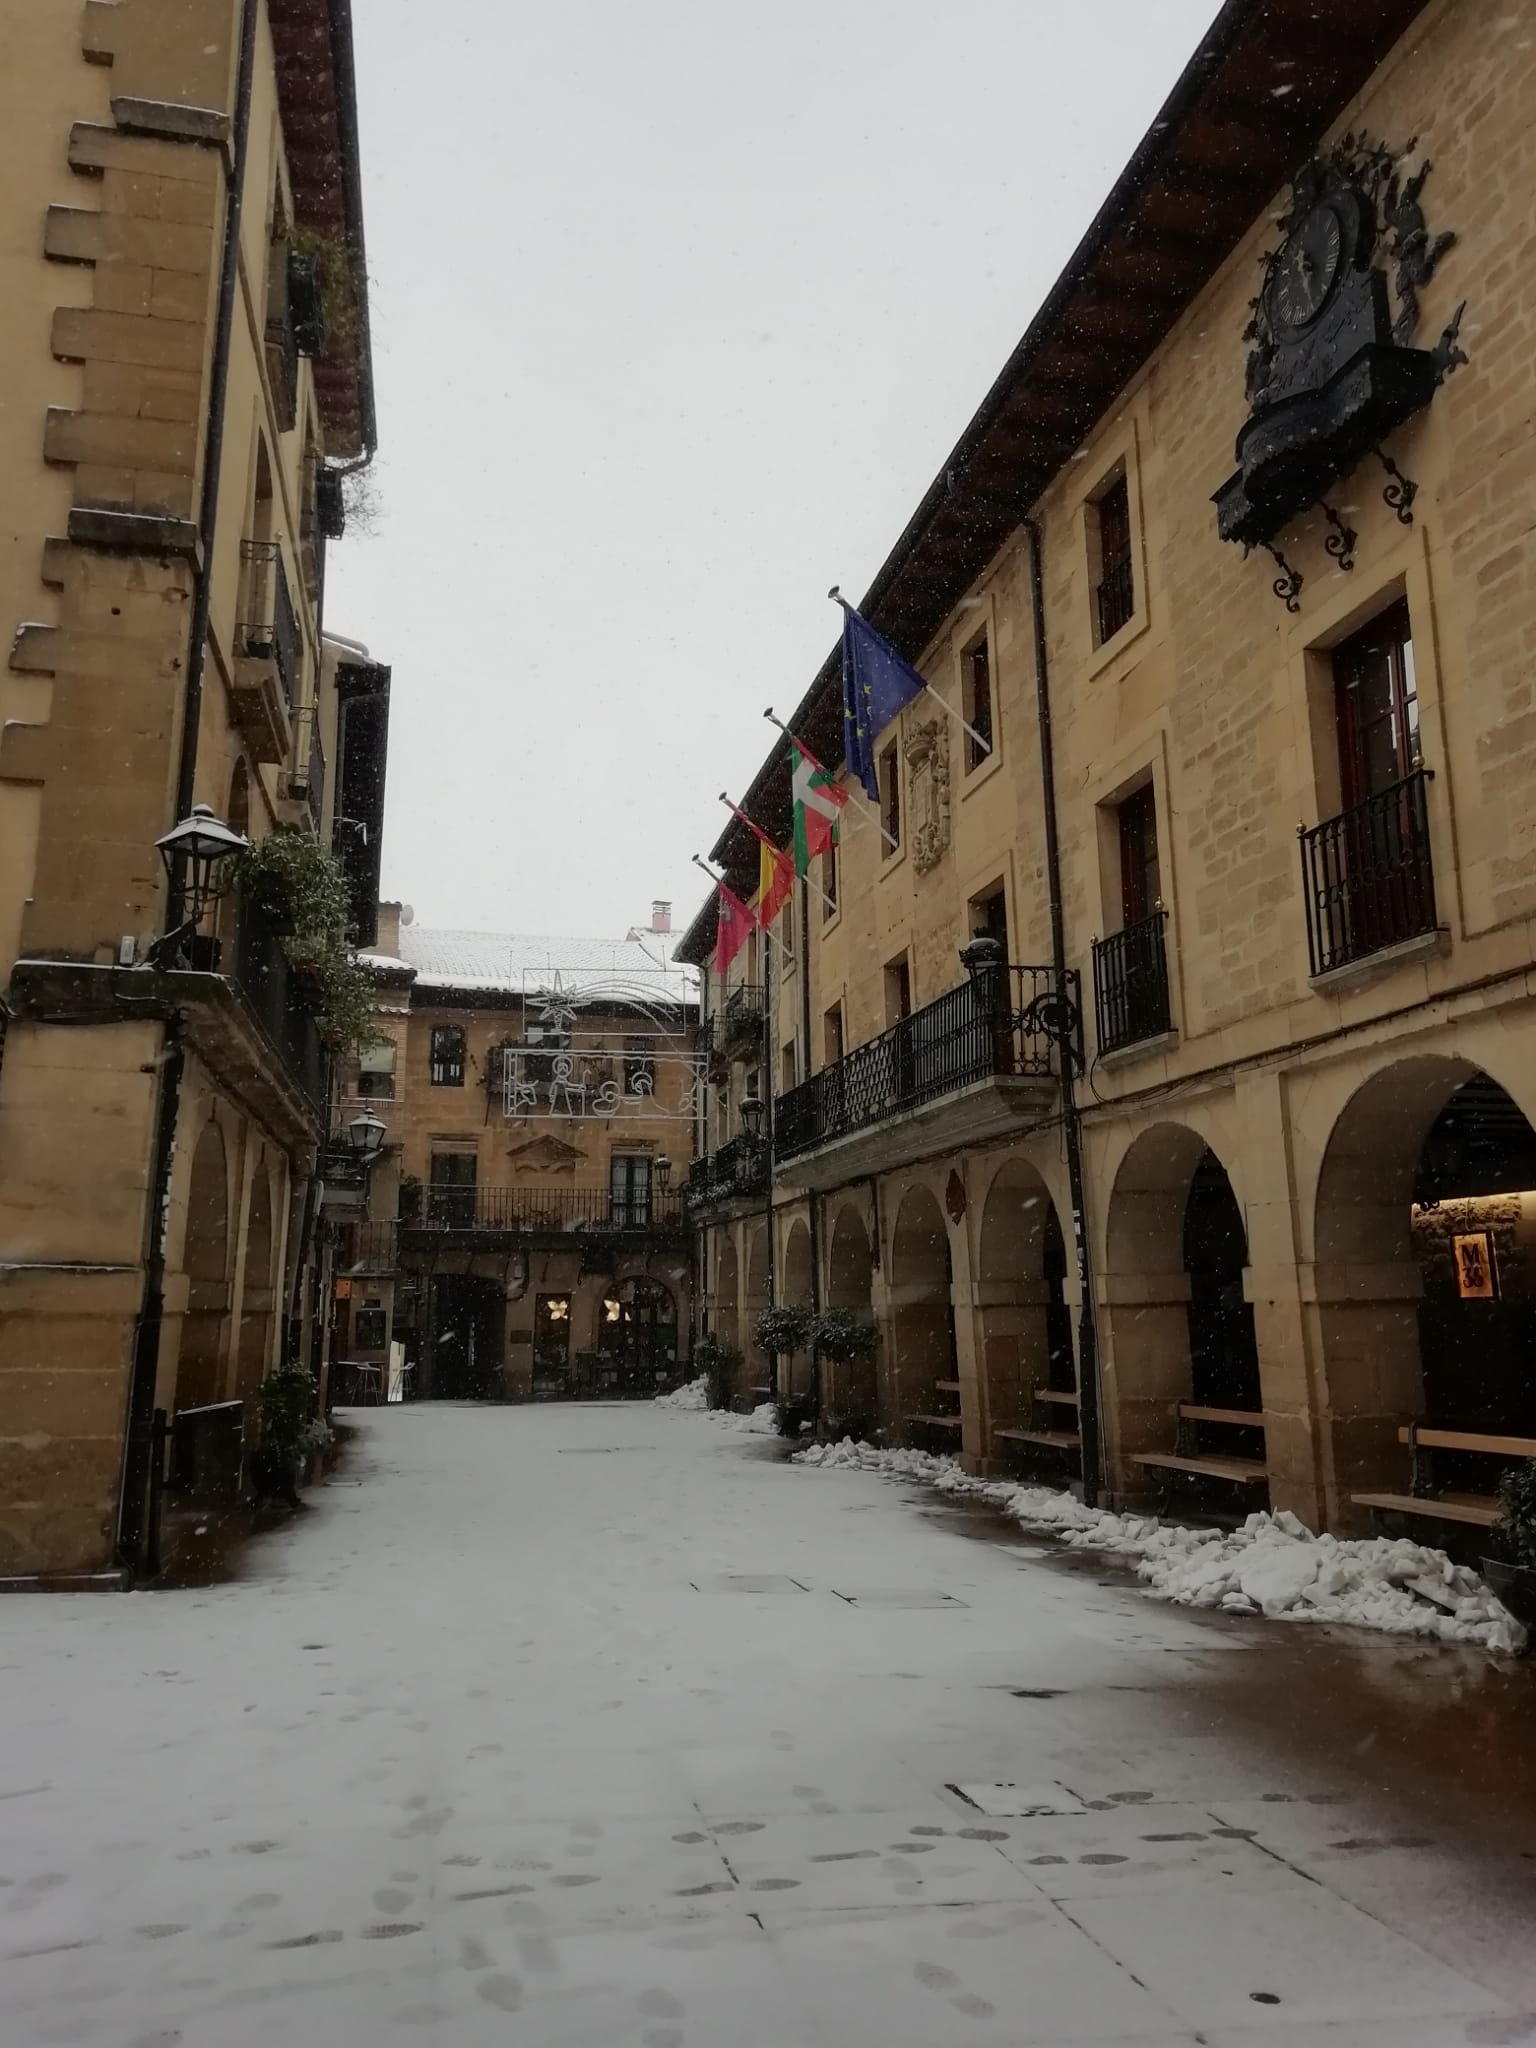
(192, 851)
(751, 1110)
(986, 963)
(365, 1136)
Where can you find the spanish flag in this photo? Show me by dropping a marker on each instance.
(775, 873)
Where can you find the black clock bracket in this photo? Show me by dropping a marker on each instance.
(1332, 369)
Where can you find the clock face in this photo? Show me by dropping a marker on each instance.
(1308, 265)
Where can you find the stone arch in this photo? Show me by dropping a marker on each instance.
(205, 1262)
(797, 1292)
(1021, 1301)
(1181, 1327)
(921, 1297)
(1427, 1144)
(253, 1346)
(850, 1386)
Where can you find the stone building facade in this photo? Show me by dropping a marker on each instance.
(187, 368)
(525, 1234)
(1286, 924)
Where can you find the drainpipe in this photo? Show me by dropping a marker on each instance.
(145, 1359)
(1089, 1407)
(812, 1204)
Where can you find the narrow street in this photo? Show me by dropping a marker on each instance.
(602, 1725)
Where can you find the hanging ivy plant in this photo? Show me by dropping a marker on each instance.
(301, 889)
(782, 1329)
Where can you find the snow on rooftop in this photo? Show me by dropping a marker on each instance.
(515, 962)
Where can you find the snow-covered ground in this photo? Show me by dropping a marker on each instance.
(1271, 1565)
(606, 1725)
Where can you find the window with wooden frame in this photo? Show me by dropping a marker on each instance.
(976, 704)
(890, 799)
(989, 916)
(1141, 878)
(446, 1065)
(832, 1035)
(1376, 706)
(788, 1067)
(1114, 594)
(898, 989)
(376, 1071)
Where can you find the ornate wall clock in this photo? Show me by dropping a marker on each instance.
(1332, 371)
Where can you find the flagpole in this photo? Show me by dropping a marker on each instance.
(873, 818)
(830, 901)
(968, 729)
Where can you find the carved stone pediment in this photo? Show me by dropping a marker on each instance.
(546, 1155)
(927, 752)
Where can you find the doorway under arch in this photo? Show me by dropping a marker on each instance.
(200, 1360)
(637, 1328)
(1425, 1274)
(1182, 1329)
(1026, 1327)
(922, 1313)
(850, 1386)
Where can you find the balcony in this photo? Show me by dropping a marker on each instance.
(265, 977)
(306, 773)
(960, 1071)
(549, 1215)
(737, 1172)
(266, 652)
(370, 1247)
(1130, 984)
(1368, 877)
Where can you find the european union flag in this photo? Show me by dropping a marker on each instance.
(877, 683)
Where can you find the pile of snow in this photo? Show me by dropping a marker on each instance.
(1272, 1565)
(692, 1394)
(763, 1421)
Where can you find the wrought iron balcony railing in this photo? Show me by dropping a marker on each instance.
(544, 1211)
(1115, 597)
(265, 976)
(949, 1044)
(1368, 876)
(739, 1169)
(1130, 984)
(269, 631)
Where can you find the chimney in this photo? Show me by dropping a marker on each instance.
(661, 916)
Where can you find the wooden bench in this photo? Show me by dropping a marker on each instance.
(1478, 1509)
(936, 1421)
(1044, 1432)
(1188, 1457)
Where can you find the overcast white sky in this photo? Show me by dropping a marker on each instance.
(678, 308)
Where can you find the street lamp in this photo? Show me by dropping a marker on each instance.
(365, 1136)
(193, 852)
(663, 1172)
(203, 842)
(983, 961)
(751, 1110)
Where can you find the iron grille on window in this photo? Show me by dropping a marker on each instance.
(1368, 876)
(1130, 984)
(1116, 598)
(447, 1060)
(306, 300)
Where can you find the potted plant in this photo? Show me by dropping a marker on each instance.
(1513, 1576)
(718, 1362)
(844, 1336)
(780, 1330)
(300, 890)
(285, 1405)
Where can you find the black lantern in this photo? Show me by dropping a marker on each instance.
(984, 961)
(193, 853)
(662, 1168)
(365, 1137)
(751, 1109)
